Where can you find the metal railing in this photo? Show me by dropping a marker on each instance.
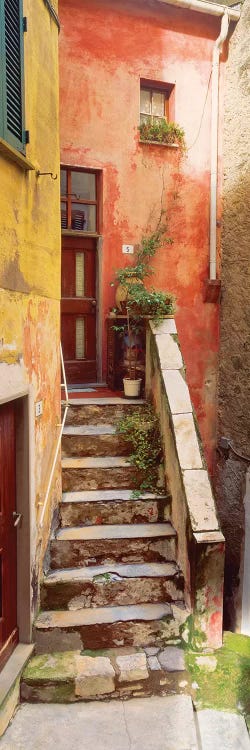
(61, 425)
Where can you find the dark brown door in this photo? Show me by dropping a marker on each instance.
(78, 309)
(8, 533)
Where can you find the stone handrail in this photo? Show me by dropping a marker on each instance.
(200, 543)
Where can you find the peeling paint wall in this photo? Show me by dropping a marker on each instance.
(30, 269)
(234, 373)
(105, 48)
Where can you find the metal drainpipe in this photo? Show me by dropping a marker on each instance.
(214, 140)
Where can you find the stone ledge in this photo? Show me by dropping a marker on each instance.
(193, 505)
(186, 441)
(198, 493)
(200, 500)
(10, 682)
(167, 325)
(169, 352)
(177, 392)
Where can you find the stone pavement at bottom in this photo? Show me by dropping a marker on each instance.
(157, 723)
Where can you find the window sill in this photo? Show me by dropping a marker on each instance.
(158, 143)
(13, 155)
(78, 233)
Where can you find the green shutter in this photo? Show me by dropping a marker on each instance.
(12, 125)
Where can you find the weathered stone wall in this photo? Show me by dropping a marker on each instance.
(234, 372)
(200, 547)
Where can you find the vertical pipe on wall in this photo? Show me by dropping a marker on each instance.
(214, 140)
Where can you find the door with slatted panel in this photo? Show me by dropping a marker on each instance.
(78, 309)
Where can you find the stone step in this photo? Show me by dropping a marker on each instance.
(74, 547)
(98, 473)
(107, 627)
(116, 673)
(105, 585)
(112, 506)
(93, 440)
(101, 410)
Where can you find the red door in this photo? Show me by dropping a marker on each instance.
(78, 309)
(8, 534)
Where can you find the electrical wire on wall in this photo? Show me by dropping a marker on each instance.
(202, 115)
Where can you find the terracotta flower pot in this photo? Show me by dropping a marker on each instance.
(122, 293)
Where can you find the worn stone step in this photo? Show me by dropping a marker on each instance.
(116, 673)
(105, 585)
(93, 440)
(107, 627)
(112, 506)
(101, 410)
(91, 545)
(98, 473)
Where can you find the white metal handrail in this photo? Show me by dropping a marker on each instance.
(61, 425)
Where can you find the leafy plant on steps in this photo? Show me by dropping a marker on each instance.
(141, 429)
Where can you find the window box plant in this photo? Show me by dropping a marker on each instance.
(162, 131)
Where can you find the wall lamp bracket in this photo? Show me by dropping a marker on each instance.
(41, 174)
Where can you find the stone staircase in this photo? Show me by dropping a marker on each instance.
(112, 584)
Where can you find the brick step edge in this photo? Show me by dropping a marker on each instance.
(67, 677)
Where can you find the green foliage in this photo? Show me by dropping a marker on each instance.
(156, 304)
(141, 429)
(138, 300)
(146, 250)
(162, 132)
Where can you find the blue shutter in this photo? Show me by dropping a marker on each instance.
(12, 125)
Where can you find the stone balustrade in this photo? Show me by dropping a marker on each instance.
(200, 552)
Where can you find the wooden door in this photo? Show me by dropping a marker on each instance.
(8, 534)
(78, 309)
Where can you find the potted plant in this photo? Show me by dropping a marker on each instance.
(131, 331)
(137, 302)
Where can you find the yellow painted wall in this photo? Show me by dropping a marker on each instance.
(30, 265)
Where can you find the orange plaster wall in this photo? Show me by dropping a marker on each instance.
(105, 48)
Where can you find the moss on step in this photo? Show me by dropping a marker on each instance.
(221, 680)
(96, 652)
(239, 644)
(191, 636)
(56, 666)
(217, 679)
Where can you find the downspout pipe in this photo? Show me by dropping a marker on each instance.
(214, 141)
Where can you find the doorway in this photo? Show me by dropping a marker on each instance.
(80, 207)
(78, 309)
(8, 533)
